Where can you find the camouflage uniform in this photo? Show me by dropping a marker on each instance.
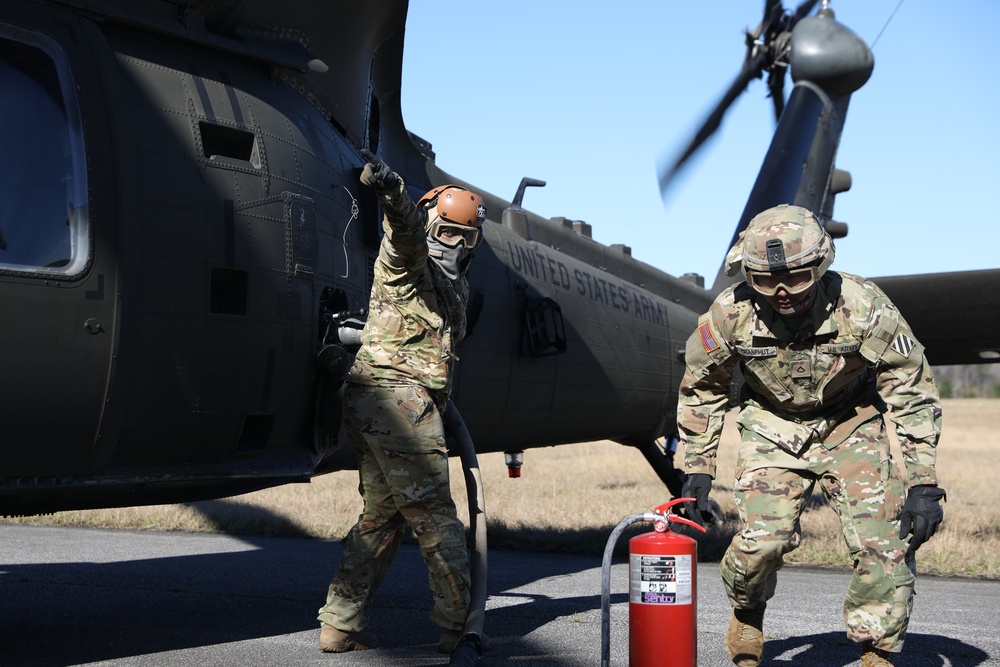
(811, 411)
(398, 389)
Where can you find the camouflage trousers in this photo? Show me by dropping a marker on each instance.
(862, 483)
(403, 468)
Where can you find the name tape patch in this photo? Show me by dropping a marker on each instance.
(744, 351)
(841, 348)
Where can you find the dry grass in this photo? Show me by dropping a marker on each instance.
(570, 498)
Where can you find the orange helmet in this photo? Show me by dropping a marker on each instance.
(460, 214)
(456, 204)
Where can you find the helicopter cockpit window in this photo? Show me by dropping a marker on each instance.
(44, 226)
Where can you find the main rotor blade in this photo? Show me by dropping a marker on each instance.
(802, 11)
(751, 70)
(776, 73)
(776, 86)
(773, 11)
(765, 46)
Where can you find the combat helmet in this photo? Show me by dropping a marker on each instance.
(785, 246)
(459, 213)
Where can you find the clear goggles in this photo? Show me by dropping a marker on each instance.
(793, 281)
(452, 235)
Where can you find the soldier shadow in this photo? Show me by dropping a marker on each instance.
(517, 620)
(833, 649)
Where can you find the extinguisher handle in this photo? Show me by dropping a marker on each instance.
(686, 522)
(664, 509)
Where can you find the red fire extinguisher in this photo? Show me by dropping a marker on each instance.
(663, 612)
(662, 609)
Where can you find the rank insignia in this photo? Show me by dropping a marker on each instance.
(801, 369)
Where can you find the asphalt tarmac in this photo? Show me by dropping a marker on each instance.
(75, 596)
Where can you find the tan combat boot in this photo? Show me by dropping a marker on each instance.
(332, 640)
(745, 639)
(874, 657)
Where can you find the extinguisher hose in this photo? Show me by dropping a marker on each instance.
(606, 582)
(469, 648)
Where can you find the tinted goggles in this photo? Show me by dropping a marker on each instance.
(794, 281)
(452, 235)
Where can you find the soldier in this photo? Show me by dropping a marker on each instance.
(823, 355)
(397, 391)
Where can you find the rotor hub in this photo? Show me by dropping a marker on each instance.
(829, 54)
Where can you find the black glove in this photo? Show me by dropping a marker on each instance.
(377, 174)
(697, 485)
(921, 514)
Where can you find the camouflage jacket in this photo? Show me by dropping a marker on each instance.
(813, 385)
(416, 315)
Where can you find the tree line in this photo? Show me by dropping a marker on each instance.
(968, 381)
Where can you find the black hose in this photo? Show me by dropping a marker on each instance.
(467, 652)
(469, 648)
(606, 582)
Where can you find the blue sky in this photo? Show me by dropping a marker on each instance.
(591, 96)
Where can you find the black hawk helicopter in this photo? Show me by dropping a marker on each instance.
(184, 240)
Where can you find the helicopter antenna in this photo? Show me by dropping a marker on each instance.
(887, 21)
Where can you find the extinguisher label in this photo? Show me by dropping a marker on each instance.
(660, 579)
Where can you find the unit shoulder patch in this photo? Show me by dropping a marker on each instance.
(903, 344)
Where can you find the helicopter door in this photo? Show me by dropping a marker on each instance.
(58, 303)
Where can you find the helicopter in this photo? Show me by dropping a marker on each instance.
(185, 251)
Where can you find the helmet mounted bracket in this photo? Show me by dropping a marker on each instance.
(775, 255)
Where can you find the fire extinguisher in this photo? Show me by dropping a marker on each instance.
(663, 612)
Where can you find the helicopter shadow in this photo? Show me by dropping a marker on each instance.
(75, 596)
(111, 595)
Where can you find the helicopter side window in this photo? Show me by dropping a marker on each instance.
(43, 191)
